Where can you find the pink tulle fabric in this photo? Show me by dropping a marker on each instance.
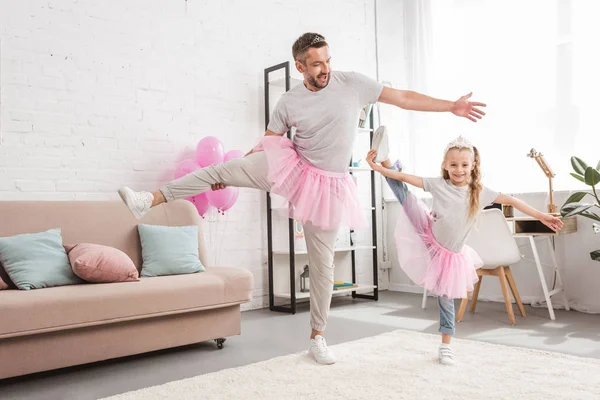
(426, 262)
(328, 200)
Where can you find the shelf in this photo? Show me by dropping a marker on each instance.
(305, 295)
(336, 250)
(281, 82)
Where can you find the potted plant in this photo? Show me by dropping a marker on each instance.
(574, 205)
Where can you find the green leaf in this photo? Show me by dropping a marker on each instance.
(598, 166)
(574, 209)
(591, 215)
(595, 255)
(578, 165)
(579, 177)
(576, 197)
(591, 176)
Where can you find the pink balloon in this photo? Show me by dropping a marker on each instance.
(232, 154)
(209, 151)
(200, 201)
(220, 198)
(232, 200)
(185, 167)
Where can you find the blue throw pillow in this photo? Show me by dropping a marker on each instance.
(169, 250)
(37, 260)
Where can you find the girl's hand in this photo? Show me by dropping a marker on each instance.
(370, 160)
(552, 222)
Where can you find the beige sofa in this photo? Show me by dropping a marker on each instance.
(57, 327)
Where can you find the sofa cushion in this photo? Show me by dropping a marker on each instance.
(169, 250)
(66, 307)
(3, 285)
(37, 260)
(101, 264)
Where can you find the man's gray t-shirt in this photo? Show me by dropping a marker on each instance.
(450, 211)
(326, 121)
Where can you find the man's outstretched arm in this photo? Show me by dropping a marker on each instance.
(409, 100)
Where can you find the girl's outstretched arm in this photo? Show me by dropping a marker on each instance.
(399, 176)
(550, 221)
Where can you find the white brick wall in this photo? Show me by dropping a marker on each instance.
(95, 95)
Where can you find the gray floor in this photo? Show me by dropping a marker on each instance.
(266, 334)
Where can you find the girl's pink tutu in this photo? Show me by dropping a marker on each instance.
(327, 199)
(425, 261)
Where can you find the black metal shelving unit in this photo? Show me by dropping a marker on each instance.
(292, 253)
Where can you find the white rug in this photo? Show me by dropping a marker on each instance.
(397, 365)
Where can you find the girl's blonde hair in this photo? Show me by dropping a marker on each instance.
(475, 186)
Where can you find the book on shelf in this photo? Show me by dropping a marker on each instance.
(337, 285)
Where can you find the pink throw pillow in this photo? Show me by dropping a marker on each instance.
(101, 264)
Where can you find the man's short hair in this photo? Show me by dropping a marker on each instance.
(305, 42)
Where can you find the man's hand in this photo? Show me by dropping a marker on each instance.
(552, 222)
(217, 186)
(465, 108)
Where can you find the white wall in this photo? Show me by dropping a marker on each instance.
(96, 95)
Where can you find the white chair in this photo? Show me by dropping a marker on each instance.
(492, 240)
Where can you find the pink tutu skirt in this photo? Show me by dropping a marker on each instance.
(327, 199)
(426, 262)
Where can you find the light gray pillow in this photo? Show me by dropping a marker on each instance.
(169, 250)
(37, 260)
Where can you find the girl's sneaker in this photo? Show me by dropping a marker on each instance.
(446, 355)
(380, 144)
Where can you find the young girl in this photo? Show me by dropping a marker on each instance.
(431, 244)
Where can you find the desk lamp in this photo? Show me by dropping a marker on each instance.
(549, 174)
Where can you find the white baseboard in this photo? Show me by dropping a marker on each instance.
(533, 300)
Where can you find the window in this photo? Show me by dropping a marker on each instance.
(533, 62)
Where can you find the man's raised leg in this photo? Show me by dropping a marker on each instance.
(250, 171)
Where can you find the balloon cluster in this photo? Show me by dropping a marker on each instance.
(210, 151)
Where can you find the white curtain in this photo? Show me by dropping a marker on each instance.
(533, 62)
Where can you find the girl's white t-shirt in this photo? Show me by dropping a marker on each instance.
(450, 211)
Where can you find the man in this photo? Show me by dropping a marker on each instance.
(312, 171)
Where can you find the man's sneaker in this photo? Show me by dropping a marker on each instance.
(380, 144)
(139, 203)
(446, 355)
(319, 352)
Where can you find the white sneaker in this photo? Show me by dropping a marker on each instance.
(446, 355)
(380, 144)
(139, 203)
(319, 351)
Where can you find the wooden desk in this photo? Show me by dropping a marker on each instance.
(526, 227)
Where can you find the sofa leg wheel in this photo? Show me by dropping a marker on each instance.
(220, 342)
